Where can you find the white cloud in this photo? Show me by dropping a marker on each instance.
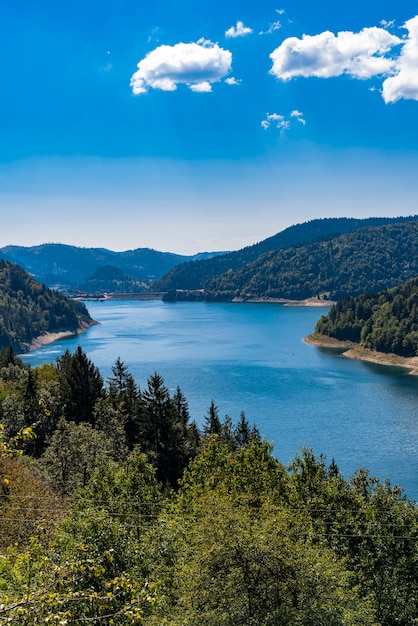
(371, 52)
(203, 87)
(232, 81)
(280, 11)
(299, 116)
(197, 65)
(387, 23)
(239, 30)
(360, 55)
(404, 84)
(280, 121)
(271, 29)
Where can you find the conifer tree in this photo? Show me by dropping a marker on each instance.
(212, 424)
(81, 385)
(242, 430)
(163, 433)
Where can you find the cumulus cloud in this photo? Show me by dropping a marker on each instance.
(280, 121)
(239, 30)
(197, 65)
(404, 83)
(371, 52)
(203, 87)
(360, 55)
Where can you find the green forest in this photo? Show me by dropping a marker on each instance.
(332, 267)
(110, 279)
(386, 321)
(196, 274)
(28, 309)
(116, 508)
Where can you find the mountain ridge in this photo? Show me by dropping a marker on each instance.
(187, 276)
(367, 259)
(63, 266)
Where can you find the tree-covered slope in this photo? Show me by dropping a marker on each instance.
(111, 279)
(386, 321)
(369, 259)
(29, 309)
(196, 274)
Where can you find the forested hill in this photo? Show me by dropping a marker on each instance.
(369, 259)
(110, 279)
(64, 267)
(386, 321)
(196, 274)
(29, 309)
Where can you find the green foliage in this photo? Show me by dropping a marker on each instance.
(29, 506)
(9, 446)
(369, 259)
(370, 525)
(8, 357)
(81, 385)
(93, 570)
(163, 432)
(386, 321)
(156, 524)
(110, 279)
(64, 594)
(231, 551)
(198, 274)
(74, 451)
(212, 424)
(243, 566)
(28, 309)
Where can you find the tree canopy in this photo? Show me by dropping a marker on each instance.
(129, 513)
(333, 267)
(386, 321)
(28, 309)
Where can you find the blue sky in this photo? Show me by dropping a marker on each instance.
(187, 126)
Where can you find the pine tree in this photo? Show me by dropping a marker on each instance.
(212, 424)
(242, 430)
(163, 433)
(81, 386)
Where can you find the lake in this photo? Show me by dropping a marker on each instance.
(252, 357)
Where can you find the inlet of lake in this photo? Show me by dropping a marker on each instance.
(252, 358)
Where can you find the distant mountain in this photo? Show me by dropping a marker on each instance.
(63, 267)
(368, 259)
(110, 279)
(192, 276)
(386, 321)
(29, 309)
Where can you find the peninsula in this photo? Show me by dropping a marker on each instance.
(379, 327)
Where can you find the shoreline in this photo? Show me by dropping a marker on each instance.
(353, 350)
(47, 338)
(285, 301)
(159, 295)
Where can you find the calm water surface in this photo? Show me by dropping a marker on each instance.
(252, 357)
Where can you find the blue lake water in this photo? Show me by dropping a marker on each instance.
(252, 357)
